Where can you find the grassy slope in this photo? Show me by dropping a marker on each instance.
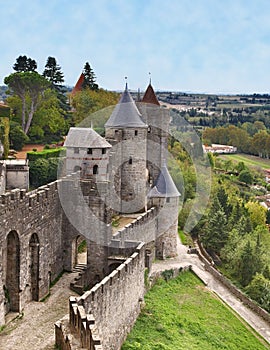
(183, 314)
(248, 160)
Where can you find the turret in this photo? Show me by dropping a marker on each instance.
(165, 196)
(127, 133)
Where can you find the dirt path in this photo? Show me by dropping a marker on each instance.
(22, 154)
(35, 329)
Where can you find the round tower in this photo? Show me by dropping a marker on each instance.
(127, 133)
(165, 196)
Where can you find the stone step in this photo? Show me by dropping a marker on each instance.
(79, 268)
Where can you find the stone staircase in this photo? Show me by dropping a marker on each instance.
(76, 285)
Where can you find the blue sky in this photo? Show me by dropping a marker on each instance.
(188, 45)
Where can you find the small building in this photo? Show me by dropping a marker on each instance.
(221, 149)
(87, 152)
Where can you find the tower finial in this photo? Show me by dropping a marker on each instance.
(126, 84)
(149, 78)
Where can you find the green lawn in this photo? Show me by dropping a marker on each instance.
(248, 160)
(183, 315)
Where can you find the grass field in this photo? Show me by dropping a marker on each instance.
(248, 160)
(183, 315)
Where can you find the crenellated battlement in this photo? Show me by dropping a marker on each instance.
(141, 229)
(15, 198)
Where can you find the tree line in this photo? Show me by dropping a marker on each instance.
(250, 138)
(42, 107)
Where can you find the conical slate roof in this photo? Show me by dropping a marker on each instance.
(150, 96)
(85, 138)
(164, 186)
(125, 114)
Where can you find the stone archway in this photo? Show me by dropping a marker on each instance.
(13, 271)
(34, 266)
(79, 251)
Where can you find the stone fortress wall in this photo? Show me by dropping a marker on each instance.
(41, 229)
(30, 238)
(102, 317)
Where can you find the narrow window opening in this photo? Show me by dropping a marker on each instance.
(103, 150)
(149, 129)
(95, 169)
(136, 132)
(89, 151)
(130, 160)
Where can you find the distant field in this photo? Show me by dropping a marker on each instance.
(248, 160)
(237, 105)
(182, 314)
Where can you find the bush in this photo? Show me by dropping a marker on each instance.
(38, 172)
(246, 176)
(43, 171)
(17, 137)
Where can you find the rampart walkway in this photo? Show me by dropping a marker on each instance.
(184, 259)
(35, 329)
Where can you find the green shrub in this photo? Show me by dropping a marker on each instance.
(17, 137)
(38, 172)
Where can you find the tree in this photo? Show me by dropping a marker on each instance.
(247, 265)
(216, 233)
(259, 290)
(257, 213)
(223, 199)
(87, 101)
(53, 73)
(89, 78)
(25, 64)
(29, 86)
(48, 124)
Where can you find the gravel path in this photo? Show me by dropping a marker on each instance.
(35, 329)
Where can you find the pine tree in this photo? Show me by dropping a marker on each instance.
(25, 64)
(89, 77)
(247, 267)
(216, 233)
(224, 201)
(52, 72)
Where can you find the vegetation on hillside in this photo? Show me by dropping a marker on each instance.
(233, 227)
(182, 314)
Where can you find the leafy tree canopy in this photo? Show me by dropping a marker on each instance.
(29, 86)
(25, 64)
(87, 101)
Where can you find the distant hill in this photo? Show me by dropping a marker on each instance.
(3, 95)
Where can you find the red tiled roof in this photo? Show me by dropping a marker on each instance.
(150, 96)
(78, 86)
